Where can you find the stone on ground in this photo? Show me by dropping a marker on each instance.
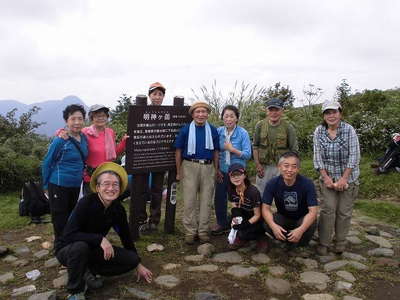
(42, 253)
(167, 281)
(206, 296)
(33, 238)
(193, 258)
(60, 281)
(318, 297)
(384, 261)
(22, 251)
(357, 265)
(353, 240)
(353, 233)
(326, 258)
(203, 268)
(139, 294)
(33, 275)
(381, 252)
(241, 271)
(315, 279)
(23, 290)
(343, 286)
(372, 230)
(46, 245)
(171, 266)
(385, 234)
(6, 277)
(351, 298)
(309, 263)
(382, 242)
(334, 265)
(52, 262)
(260, 258)
(155, 247)
(9, 259)
(278, 286)
(346, 276)
(228, 257)
(206, 249)
(20, 263)
(276, 270)
(50, 295)
(353, 256)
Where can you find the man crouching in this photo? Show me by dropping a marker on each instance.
(84, 248)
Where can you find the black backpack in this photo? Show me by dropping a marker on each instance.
(34, 202)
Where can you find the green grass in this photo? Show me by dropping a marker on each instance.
(384, 211)
(10, 218)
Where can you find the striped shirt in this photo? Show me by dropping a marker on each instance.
(338, 154)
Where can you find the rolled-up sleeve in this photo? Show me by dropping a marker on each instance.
(246, 145)
(317, 158)
(354, 149)
(256, 137)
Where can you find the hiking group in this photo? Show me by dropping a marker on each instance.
(210, 165)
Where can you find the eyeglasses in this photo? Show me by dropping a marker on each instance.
(114, 185)
(100, 116)
(236, 175)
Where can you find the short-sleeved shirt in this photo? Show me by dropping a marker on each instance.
(181, 142)
(291, 201)
(252, 199)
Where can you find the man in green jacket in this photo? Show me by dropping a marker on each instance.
(273, 136)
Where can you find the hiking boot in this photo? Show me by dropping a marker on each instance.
(238, 243)
(262, 246)
(219, 230)
(78, 296)
(189, 239)
(144, 228)
(92, 281)
(322, 250)
(204, 238)
(339, 249)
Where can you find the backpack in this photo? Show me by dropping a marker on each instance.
(34, 202)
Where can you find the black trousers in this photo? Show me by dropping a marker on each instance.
(78, 257)
(290, 224)
(140, 194)
(253, 232)
(62, 201)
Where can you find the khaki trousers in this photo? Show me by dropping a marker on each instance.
(335, 216)
(198, 184)
(270, 171)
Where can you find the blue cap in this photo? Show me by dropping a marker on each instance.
(274, 102)
(236, 168)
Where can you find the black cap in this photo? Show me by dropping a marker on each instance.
(274, 102)
(236, 168)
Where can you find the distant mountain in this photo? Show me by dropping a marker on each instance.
(50, 112)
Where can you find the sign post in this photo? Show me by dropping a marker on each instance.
(152, 131)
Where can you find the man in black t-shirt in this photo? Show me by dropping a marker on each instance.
(296, 218)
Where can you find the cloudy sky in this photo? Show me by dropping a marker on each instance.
(99, 49)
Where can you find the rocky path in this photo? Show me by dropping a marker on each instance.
(368, 270)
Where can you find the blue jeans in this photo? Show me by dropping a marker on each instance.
(220, 201)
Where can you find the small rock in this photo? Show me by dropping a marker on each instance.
(245, 250)
(277, 285)
(228, 257)
(381, 252)
(327, 258)
(155, 247)
(240, 271)
(50, 295)
(315, 279)
(277, 270)
(353, 233)
(203, 268)
(22, 251)
(346, 276)
(260, 258)
(318, 297)
(9, 259)
(235, 285)
(194, 258)
(206, 296)
(60, 281)
(40, 254)
(310, 264)
(47, 245)
(3, 250)
(20, 263)
(353, 240)
(357, 265)
(167, 281)
(23, 290)
(385, 234)
(33, 275)
(372, 230)
(206, 249)
(170, 266)
(351, 298)
(33, 238)
(343, 286)
(334, 265)
(139, 294)
(382, 242)
(384, 261)
(353, 256)
(6, 277)
(52, 262)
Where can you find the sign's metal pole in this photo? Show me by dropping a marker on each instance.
(141, 100)
(170, 205)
